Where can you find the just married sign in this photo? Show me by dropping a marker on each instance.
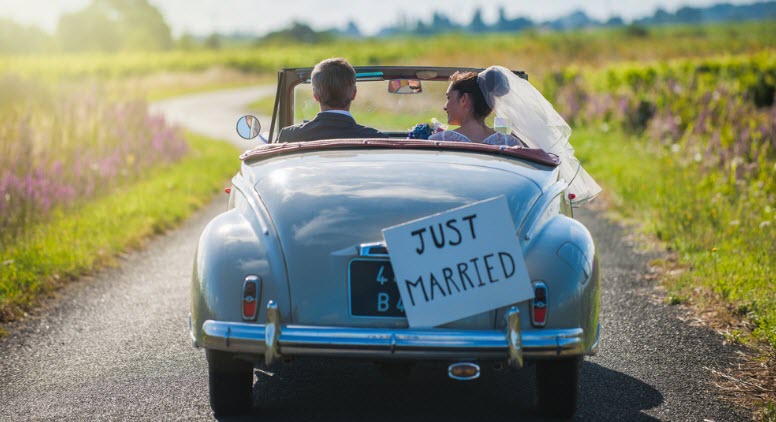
(458, 263)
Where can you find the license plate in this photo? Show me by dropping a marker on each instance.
(373, 290)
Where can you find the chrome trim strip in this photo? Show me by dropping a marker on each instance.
(368, 249)
(298, 340)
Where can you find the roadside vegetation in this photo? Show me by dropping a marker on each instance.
(71, 145)
(707, 127)
(688, 150)
(68, 211)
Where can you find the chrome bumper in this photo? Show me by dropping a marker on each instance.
(274, 340)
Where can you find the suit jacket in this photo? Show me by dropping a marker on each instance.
(328, 126)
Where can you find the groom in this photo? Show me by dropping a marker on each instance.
(334, 87)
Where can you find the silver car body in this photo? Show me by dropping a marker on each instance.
(299, 218)
(300, 214)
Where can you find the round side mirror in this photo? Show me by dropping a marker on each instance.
(248, 126)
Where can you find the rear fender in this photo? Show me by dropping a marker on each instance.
(229, 250)
(563, 256)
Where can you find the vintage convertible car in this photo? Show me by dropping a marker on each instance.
(298, 265)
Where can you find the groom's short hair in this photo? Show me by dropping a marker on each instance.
(334, 82)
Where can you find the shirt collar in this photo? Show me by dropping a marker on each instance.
(345, 112)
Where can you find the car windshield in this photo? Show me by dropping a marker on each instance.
(375, 106)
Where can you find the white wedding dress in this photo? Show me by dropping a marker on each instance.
(495, 139)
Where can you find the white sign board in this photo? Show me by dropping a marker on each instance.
(458, 263)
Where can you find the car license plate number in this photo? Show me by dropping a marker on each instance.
(373, 290)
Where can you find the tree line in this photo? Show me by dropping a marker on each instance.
(126, 25)
(440, 23)
(103, 25)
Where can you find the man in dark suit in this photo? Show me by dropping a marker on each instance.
(334, 87)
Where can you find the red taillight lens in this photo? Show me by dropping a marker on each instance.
(250, 298)
(539, 305)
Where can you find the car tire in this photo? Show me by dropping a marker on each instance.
(557, 383)
(231, 383)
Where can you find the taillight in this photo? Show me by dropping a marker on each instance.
(250, 298)
(539, 305)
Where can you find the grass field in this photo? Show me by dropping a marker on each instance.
(539, 53)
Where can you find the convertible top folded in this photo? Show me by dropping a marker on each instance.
(271, 150)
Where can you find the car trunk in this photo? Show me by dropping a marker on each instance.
(325, 205)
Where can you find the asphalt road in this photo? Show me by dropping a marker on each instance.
(114, 346)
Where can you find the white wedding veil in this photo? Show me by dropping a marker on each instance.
(533, 119)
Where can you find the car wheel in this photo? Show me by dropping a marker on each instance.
(557, 385)
(231, 383)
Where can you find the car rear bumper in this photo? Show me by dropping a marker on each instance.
(274, 340)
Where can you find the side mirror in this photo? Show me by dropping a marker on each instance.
(404, 86)
(248, 127)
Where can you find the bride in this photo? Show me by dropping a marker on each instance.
(467, 108)
(472, 96)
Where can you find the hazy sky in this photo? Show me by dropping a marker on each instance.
(261, 16)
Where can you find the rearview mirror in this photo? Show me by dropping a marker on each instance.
(404, 86)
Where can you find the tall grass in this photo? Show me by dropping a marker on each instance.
(75, 241)
(703, 171)
(62, 146)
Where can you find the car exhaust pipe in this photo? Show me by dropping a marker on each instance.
(463, 371)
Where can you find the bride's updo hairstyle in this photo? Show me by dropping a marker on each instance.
(493, 84)
(466, 83)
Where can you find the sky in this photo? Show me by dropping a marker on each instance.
(202, 17)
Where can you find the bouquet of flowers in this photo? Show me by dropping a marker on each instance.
(424, 130)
